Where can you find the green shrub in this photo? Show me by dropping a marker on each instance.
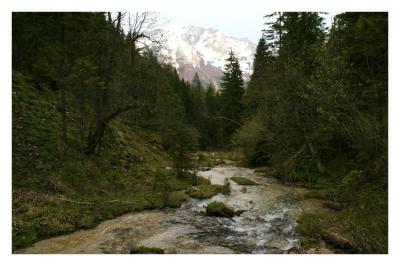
(351, 178)
(251, 140)
(226, 188)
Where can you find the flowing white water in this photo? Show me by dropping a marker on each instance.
(267, 225)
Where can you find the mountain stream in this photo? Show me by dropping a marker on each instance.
(267, 225)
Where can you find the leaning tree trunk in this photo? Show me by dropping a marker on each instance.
(97, 134)
(317, 159)
(95, 137)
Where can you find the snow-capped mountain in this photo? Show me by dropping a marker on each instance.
(193, 49)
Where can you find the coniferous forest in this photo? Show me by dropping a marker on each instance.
(102, 127)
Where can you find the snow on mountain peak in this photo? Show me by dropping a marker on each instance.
(194, 49)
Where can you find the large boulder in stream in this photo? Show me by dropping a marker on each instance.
(219, 209)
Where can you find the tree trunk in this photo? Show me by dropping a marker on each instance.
(314, 153)
(95, 137)
(64, 115)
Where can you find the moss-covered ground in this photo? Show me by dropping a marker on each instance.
(146, 250)
(57, 189)
(356, 226)
(217, 208)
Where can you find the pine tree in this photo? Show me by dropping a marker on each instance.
(232, 89)
(212, 124)
(199, 108)
(260, 58)
(261, 77)
(274, 31)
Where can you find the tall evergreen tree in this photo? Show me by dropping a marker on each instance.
(199, 108)
(212, 124)
(274, 31)
(261, 79)
(298, 59)
(232, 89)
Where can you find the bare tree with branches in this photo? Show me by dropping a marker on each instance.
(142, 27)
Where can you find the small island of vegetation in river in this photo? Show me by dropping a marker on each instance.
(101, 127)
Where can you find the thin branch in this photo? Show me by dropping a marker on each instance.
(226, 118)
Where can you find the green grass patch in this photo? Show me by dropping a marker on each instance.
(128, 173)
(316, 194)
(204, 191)
(358, 225)
(175, 199)
(266, 170)
(310, 227)
(214, 158)
(243, 181)
(199, 180)
(365, 221)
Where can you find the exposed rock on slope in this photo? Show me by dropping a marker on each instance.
(193, 49)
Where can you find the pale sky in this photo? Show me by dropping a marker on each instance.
(246, 24)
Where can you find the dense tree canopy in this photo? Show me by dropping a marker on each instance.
(314, 111)
(316, 105)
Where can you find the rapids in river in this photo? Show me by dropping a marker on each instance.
(267, 225)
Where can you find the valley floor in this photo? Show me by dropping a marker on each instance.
(267, 222)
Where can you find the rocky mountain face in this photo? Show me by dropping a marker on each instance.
(193, 49)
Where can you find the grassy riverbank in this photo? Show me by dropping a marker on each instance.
(358, 225)
(356, 216)
(57, 190)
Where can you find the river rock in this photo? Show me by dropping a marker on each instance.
(217, 208)
(320, 250)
